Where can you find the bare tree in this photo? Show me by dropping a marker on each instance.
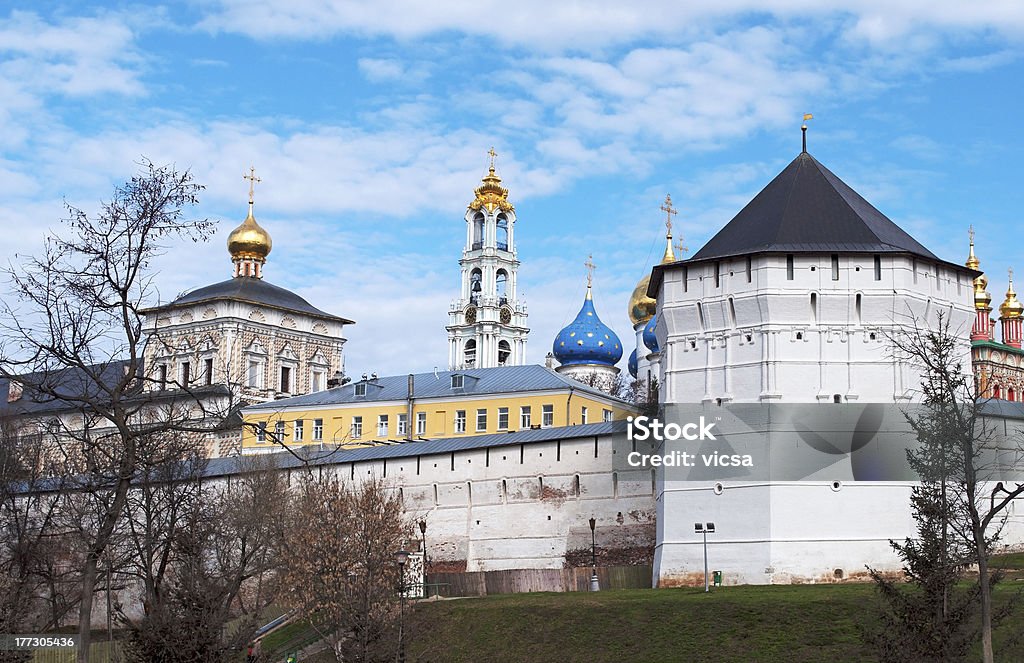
(34, 563)
(211, 572)
(73, 335)
(342, 574)
(957, 457)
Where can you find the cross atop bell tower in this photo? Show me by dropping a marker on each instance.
(487, 322)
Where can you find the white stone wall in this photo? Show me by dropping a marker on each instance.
(518, 506)
(766, 339)
(760, 337)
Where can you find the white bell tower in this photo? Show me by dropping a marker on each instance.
(487, 323)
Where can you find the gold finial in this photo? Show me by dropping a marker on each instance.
(669, 212)
(1011, 307)
(492, 154)
(972, 260)
(252, 182)
(589, 264)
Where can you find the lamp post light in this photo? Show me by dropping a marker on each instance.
(595, 584)
(705, 529)
(402, 556)
(423, 534)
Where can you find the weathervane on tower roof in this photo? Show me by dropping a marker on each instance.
(803, 129)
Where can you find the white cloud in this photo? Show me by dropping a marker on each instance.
(575, 26)
(75, 56)
(388, 70)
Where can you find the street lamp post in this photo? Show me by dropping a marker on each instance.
(423, 534)
(401, 557)
(595, 584)
(705, 529)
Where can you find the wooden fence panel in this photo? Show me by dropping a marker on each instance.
(512, 581)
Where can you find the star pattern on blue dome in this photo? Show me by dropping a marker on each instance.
(650, 338)
(632, 364)
(587, 340)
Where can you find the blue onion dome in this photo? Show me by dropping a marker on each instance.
(650, 338)
(633, 368)
(587, 340)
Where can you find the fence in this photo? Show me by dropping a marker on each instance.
(482, 583)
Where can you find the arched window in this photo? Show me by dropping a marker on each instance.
(504, 352)
(997, 391)
(475, 286)
(469, 353)
(502, 232)
(500, 283)
(478, 231)
(1011, 395)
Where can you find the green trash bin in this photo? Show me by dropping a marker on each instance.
(717, 578)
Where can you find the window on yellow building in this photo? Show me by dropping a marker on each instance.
(460, 421)
(261, 431)
(524, 417)
(547, 415)
(421, 423)
(583, 415)
(357, 427)
(318, 429)
(403, 424)
(279, 432)
(299, 425)
(481, 420)
(502, 418)
(382, 425)
(606, 415)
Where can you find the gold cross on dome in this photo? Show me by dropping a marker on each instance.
(589, 264)
(970, 232)
(252, 181)
(680, 246)
(669, 211)
(1009, 271)
(492, 154)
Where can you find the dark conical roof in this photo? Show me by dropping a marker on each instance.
(806, 208)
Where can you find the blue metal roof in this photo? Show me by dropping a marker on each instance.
(475, 382)
(316, 457)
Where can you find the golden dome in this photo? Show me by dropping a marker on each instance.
(982, 300)
(1011, 307)
(641, 307)
(249, 240)
(491, 194)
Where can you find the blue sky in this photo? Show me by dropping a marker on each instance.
(370, 127)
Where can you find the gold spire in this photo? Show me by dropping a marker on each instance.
(1011, 307)
(982, 300)
(491, 194)
(972, 260)
(249, 241)
(589, 264)
(669, 212)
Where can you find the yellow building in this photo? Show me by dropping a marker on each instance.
(427, 406)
